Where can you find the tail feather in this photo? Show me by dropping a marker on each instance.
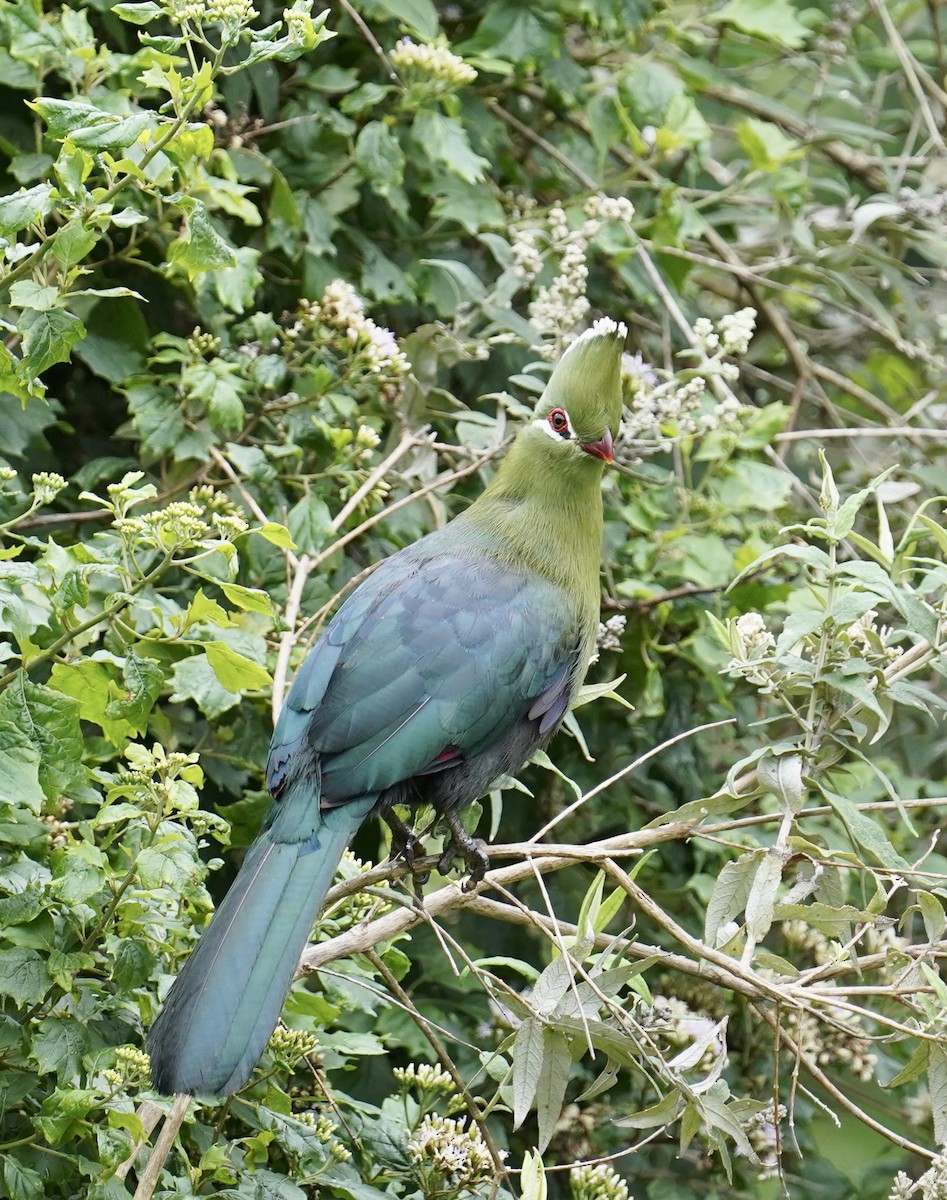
(226, 1001)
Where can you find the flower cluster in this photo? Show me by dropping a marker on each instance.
(763, 1134)
(932, 1185)
(836, 1041)
(561, 304)
(428, 62)
(599, 1182)
(131, 1066)
(292, 1045)
(46, 486)
(754, 656)
(663, 405)
(341, 309)
(424, 1078)
(325, 1130)
(208, 12)
(458, 1155)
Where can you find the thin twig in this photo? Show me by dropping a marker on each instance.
(148, 1180)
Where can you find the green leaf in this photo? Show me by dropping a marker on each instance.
(201, 247)
(730, 893)
(19, 759)
(144, 680)
(23, 208)
(937, 1085)
(202, 608)
(279, 535)
(113, 134)
(249, 599)
(194, 679)
(772, 20)
(235, 672)
(51, 721)
(20, 1181)
(766, 144)
(58, 1046)
(80, 874)
(932, 914)
(761, 901)
(310, 524)
(445, 140)
(551, 1085)
(527, 1067)
(417, 16)
(533, 1185)
(379, 157)
(866, 833)
(23, 976)
(48, 338)
(138, 14)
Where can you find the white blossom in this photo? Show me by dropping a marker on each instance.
(430, 61)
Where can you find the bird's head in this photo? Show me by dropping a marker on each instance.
(580, 409)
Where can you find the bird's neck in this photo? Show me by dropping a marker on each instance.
(550, 520)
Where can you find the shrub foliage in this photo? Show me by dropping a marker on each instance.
(274, 286)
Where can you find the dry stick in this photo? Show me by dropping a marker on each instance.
(870, 431)
(305, 564)
(169, 1130)
(912, 73)
(849, 1105)
(451, 897)
(446, 1062)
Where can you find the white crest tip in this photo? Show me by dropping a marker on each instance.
(603, 327)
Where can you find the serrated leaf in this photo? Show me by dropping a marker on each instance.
(201, 248)
(279, 535)
(138, 14)
(48, 338)
(23, 208)
(144, 680)
(50, 721)
(203, 608)
(772, 20)
(249, 599)
(236, 672)
(310, 524)
(58, 1046)
(23, 975)
(20, 1181)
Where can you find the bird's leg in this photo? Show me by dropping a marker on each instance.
(463, 845)
(404, 843)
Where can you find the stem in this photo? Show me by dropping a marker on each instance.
(106, 614)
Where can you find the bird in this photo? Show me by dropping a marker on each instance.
(445, 669)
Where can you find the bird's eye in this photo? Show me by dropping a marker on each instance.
(558, 420)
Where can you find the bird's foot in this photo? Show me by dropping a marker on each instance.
(405, 844)
(472, 850)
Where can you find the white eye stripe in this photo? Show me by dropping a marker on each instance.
(561, 435)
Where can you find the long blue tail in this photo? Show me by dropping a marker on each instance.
(225, 1003)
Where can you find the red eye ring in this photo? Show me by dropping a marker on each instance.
(559, 420)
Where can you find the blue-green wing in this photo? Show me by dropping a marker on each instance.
(434, 659)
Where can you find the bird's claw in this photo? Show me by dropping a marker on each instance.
(472, 850)
(404, 844)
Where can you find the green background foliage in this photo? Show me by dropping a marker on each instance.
(729, 983)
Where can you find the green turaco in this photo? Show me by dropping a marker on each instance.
(447, 668)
